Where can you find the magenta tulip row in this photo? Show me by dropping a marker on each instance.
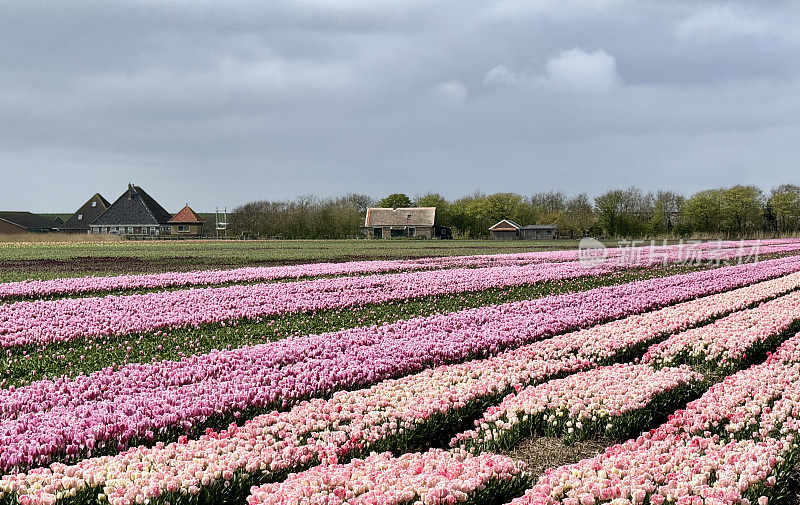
(610, 401)
(436, 477)
(393, 413)
(83, 285)
(736, 444)
(46, 321)
(69, 420)
(88, 285)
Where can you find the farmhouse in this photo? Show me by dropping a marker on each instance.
(133, 213)
(509, 230)
(403, 222)
(186, 223)
(83, 217)
(12, 223)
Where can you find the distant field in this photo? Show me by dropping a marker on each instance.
(47, 260)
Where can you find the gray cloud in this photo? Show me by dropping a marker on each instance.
(223, 102)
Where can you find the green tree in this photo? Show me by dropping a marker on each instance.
(784, 201)
(579, 215)
(395, 201)
(624, 212)
(702, 212)
(742, 210)
(443, 215)
(609, 212)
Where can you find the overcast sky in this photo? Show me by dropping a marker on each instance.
(223, 102)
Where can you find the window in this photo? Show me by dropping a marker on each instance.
(130, 229)
(104, 229)
(412, 232)
(408, 216)
(80, 217)
(94, 204)
(183, 228)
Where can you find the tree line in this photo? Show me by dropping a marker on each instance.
(723, 212)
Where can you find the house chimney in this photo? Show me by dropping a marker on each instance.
(130, 191)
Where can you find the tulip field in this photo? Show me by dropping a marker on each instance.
(409, 381)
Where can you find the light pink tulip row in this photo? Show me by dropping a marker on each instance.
(391, 414)
(87, 285)
(74, 419)
(436, 477)
(545, 408)
(727, 342)
(46, 321)
(731, 446)
(612, 400)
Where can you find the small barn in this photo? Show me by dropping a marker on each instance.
(538, 232)
(509, 230)
(186, 223)
(505, 230)
(133, 213)
(384, 222)
(79, 221)
(13, 223)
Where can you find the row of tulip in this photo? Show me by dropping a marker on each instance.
(21, 366)
(613, 401)
(727, 342)
(42, 322)
(69, 420)
(580, 397)
(736, 444)
(625, 388)
(435, 477)
(394, 414)
(95, 285)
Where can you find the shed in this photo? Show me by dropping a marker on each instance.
(509, 230)
(538, 232)
(505, 230)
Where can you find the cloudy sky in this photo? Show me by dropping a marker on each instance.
(223, 102)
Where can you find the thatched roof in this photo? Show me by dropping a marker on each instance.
(406, 216)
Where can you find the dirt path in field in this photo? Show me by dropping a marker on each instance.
(541, 453)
